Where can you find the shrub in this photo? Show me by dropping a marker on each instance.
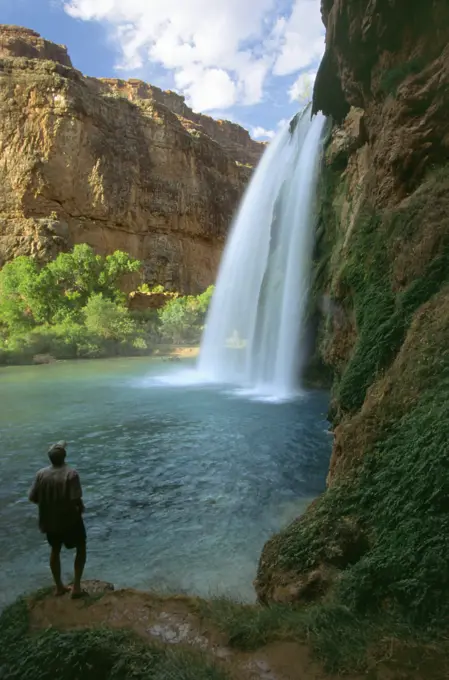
(182, 318)
(108, 320)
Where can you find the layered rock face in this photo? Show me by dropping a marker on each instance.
(16, 41)
(234, 139)
(376, 537)
(117, 165)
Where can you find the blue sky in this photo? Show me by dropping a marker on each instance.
(251, 61)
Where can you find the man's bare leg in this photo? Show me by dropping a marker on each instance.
(80, 561)
(55, 566)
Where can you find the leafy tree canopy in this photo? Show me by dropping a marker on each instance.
(31, 295)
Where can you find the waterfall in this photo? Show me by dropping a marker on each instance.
(254, 326)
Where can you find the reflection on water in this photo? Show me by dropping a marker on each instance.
(182, 485)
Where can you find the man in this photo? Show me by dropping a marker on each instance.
(57, 492)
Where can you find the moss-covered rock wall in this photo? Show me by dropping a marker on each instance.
(378, 539)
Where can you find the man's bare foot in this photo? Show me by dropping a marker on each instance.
(77, 593)
(61, 590)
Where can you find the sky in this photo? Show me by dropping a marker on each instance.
(250, 61)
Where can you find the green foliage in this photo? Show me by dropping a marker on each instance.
(30, 295)
(73, 308)
(19, 294)
(70, 308)
(404, 495)
(392, 78)
(96, 654)
(145, 288)
(400, 503)
(249, 627)
(339, 637)
(107, 319)
(182, 318)
(13, 626)
(382, 316)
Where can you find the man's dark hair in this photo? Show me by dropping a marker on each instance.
(57, 455)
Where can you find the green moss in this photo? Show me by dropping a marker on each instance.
(388, 529)
(316, 373)
(403, 495)
(384, 527)
(96, 654)
(382, 316)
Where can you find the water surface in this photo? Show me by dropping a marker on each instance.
(182, 485)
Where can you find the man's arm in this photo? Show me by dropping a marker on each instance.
(75, 490)
(33, 495)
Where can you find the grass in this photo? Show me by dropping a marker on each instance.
(249, 627)
(341, 639)
(96, 654)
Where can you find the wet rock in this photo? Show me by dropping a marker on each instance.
(171, 630)
(96, 587)
(347, 138)
(262, 669)
(309, 587)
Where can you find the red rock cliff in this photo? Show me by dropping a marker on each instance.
(16, 41)
(114, 164)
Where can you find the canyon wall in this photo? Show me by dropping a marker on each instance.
(115, 164)
(377, 539)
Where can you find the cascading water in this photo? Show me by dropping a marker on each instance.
(253, 330)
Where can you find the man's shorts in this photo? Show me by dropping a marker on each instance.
(73, 537)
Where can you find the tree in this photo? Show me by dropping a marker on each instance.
(176, 320)
(19, 293)
(108, 319)
(205, 299)
(81, 273)
(61, 289)
(182, 318)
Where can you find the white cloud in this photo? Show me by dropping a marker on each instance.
(220, 52)
(260, 133)
(282, 123)
(302, 89)
(302, 38)
(208, 88)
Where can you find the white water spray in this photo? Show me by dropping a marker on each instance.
(254, 327)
